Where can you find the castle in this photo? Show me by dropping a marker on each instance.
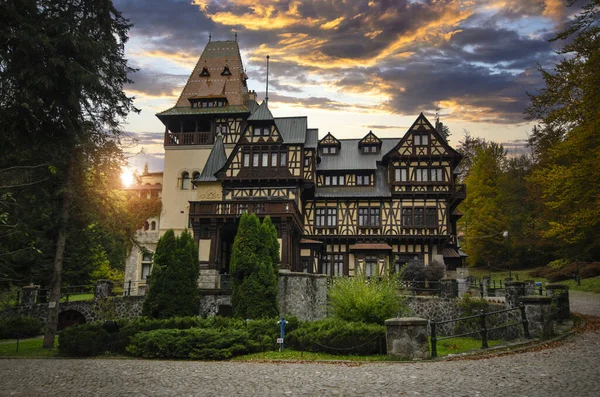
(339, 205)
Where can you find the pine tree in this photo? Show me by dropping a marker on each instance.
(174, 279)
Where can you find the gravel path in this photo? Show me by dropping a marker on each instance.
(584, 302)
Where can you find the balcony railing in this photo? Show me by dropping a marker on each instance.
(189, 138)
(233, 209)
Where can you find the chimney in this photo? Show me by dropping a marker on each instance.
(252, 95)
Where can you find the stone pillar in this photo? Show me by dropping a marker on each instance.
(538, 310)
(513, 290)
(560, 296)
(529, 287)
(406, 338)
(30, 294)
(448, 288)
(103, 289)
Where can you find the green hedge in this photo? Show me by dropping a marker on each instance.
(338, 337)
(20, 327)
(262, 332)
(195, 343)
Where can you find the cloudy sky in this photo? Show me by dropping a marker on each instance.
(352, 66)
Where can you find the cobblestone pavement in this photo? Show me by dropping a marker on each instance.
(570, 369)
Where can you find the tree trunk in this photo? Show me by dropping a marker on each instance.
(54, 296)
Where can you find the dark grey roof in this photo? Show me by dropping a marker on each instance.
(292, 129)
(381, 188)
(261, 113)
(350, 157)
(216, 160)
(312, 138)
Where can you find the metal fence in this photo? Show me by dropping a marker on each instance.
(483, 329)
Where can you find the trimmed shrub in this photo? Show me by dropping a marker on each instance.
(84, 340)
(336, 336)
(365, 300)
(586, 270)
(195, 343)
(20, 327)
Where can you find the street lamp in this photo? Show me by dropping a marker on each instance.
(505, 235)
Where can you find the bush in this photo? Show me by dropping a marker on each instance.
(336, 336)
(263, 333)
(84, 340)
(470, 306)
(365, 300)
(195, 343)
(416, 270)
(586, 270)
(20, 327)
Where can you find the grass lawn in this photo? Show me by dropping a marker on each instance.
(444, 348)
(78, 297)
(502, 275)
(591, 284)
(27, 348)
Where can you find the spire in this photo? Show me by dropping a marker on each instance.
(267, 90)
(235, 36)
(209, 37)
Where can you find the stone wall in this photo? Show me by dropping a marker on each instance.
(302, 295)
(93, 310)
(215, 302)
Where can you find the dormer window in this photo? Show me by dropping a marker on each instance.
(329, 150)
(208, 102)
(370, 149)
(226, 71)
(421, 139)
(204, 72)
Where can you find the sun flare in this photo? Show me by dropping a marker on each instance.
(127, 177)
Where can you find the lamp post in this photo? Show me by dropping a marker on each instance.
(505, 235)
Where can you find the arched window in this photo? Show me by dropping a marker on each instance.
(153, 225)
(195, 177)
(146, 225)
(185, 180)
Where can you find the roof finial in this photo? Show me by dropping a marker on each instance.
(209, 37)
(267, 90)
(235, 36)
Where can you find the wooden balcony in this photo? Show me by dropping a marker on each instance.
(189, 138)
(459, 193)
(234, 209)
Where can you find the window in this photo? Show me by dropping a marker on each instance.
(265, 159)
(369, 149)
(421, 140)
(325, 150)
(431, 217)
(329, 150)
(421, 175)
(342, 180)
(283, 159)
(363, 180)
(401, 175)
(326, 217)
(146, 264)
(226, 72)
(401, 260)
(274, 159)
(146, 225)
(333, 264)
(221, 128)
(261, 131)
(369, 217)
(307, 161)
(371, 266)
(185, 180)
(419, 219)
(327, 180)
(204, 72)
(437, 175)
(407, 217)
(255, 159)
(195, 177)
(246, 161)
(153, 225)
(332, 217)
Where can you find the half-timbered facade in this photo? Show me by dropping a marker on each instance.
(340, 205)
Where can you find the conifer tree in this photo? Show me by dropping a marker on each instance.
(174, 279)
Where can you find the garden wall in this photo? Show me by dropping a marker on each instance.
(302, 295)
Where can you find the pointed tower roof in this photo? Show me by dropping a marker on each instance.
(262, 113)
(216, 160)
(219, 73)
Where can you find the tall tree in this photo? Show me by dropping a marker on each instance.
(174, 280)
(566, 141)
(62, 71)
(254, 280)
